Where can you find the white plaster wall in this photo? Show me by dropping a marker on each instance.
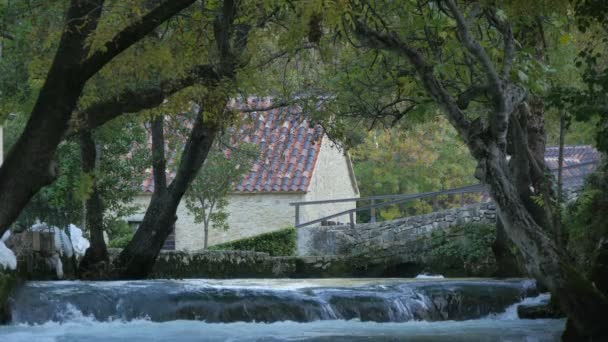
(254, 214)
(331, 179)
(250, 215)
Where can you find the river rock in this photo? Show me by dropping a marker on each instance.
(538, 311)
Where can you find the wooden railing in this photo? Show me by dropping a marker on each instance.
(375, 204)
(402, 198)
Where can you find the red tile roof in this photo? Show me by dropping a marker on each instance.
(289, 146)
(579, 162)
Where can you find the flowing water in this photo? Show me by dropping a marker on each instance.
(278, 310)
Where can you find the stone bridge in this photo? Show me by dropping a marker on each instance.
(400, 241)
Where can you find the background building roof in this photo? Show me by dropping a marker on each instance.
(288, 142)
(579, 162)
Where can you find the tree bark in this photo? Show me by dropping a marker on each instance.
(206, 237)
(138, 258)
(508, 263)
(584, 304)
(98, 251)
(29, 164)
(549, 264)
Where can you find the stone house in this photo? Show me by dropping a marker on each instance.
(297, 162)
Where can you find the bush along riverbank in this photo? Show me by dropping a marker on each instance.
(279, 243)
(9, 281)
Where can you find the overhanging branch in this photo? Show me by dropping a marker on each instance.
(132, 34)
(132, 101)
(470, 94)
(473, 45)
(505, 29)
(391, 42)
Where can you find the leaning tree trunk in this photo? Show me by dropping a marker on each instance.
(29, 164)
(526, 145)
(487, 141)
(97, 252)
(508, 261)
(584, 304)
(138, 258)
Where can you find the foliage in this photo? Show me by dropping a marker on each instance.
(427, 156)
(207, 196)
(119, 175)
(58, 203)
(586, 219)
(119, 233)
(279, 243)
(469, 245)
(586, 100)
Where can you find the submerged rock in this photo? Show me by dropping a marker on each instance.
(538, 311)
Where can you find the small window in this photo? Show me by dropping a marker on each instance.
(169, 244)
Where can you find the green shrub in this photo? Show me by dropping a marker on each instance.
(467, 248)
(279, 243)
(585, 220)
(120, 233)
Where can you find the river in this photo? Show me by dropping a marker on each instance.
(278, 310)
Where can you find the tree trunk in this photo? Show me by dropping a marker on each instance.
(29, 164)
(508, 263)
(138, 258)
(583, 303)
(206, 237)
(549, 264)
(98, 251)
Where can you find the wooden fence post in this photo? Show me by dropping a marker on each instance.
(372, 213)
(297, 215)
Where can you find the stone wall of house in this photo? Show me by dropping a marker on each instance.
(250, 215)
(369, 238)
(258, 213)
(332, 179)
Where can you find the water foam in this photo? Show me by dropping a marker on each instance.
(510, 312)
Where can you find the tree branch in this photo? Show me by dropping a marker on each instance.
(506, 96)
(470, 94)
(392, 42)
(509, 41)
(132, 101)
(194, 154)
(275, 105)
(473, 45)
(132, 34)
(283, 53)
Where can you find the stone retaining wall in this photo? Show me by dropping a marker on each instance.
(370, 237)
(243, 264)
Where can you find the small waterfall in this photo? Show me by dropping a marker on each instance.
(213, 301)
(510, 312)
